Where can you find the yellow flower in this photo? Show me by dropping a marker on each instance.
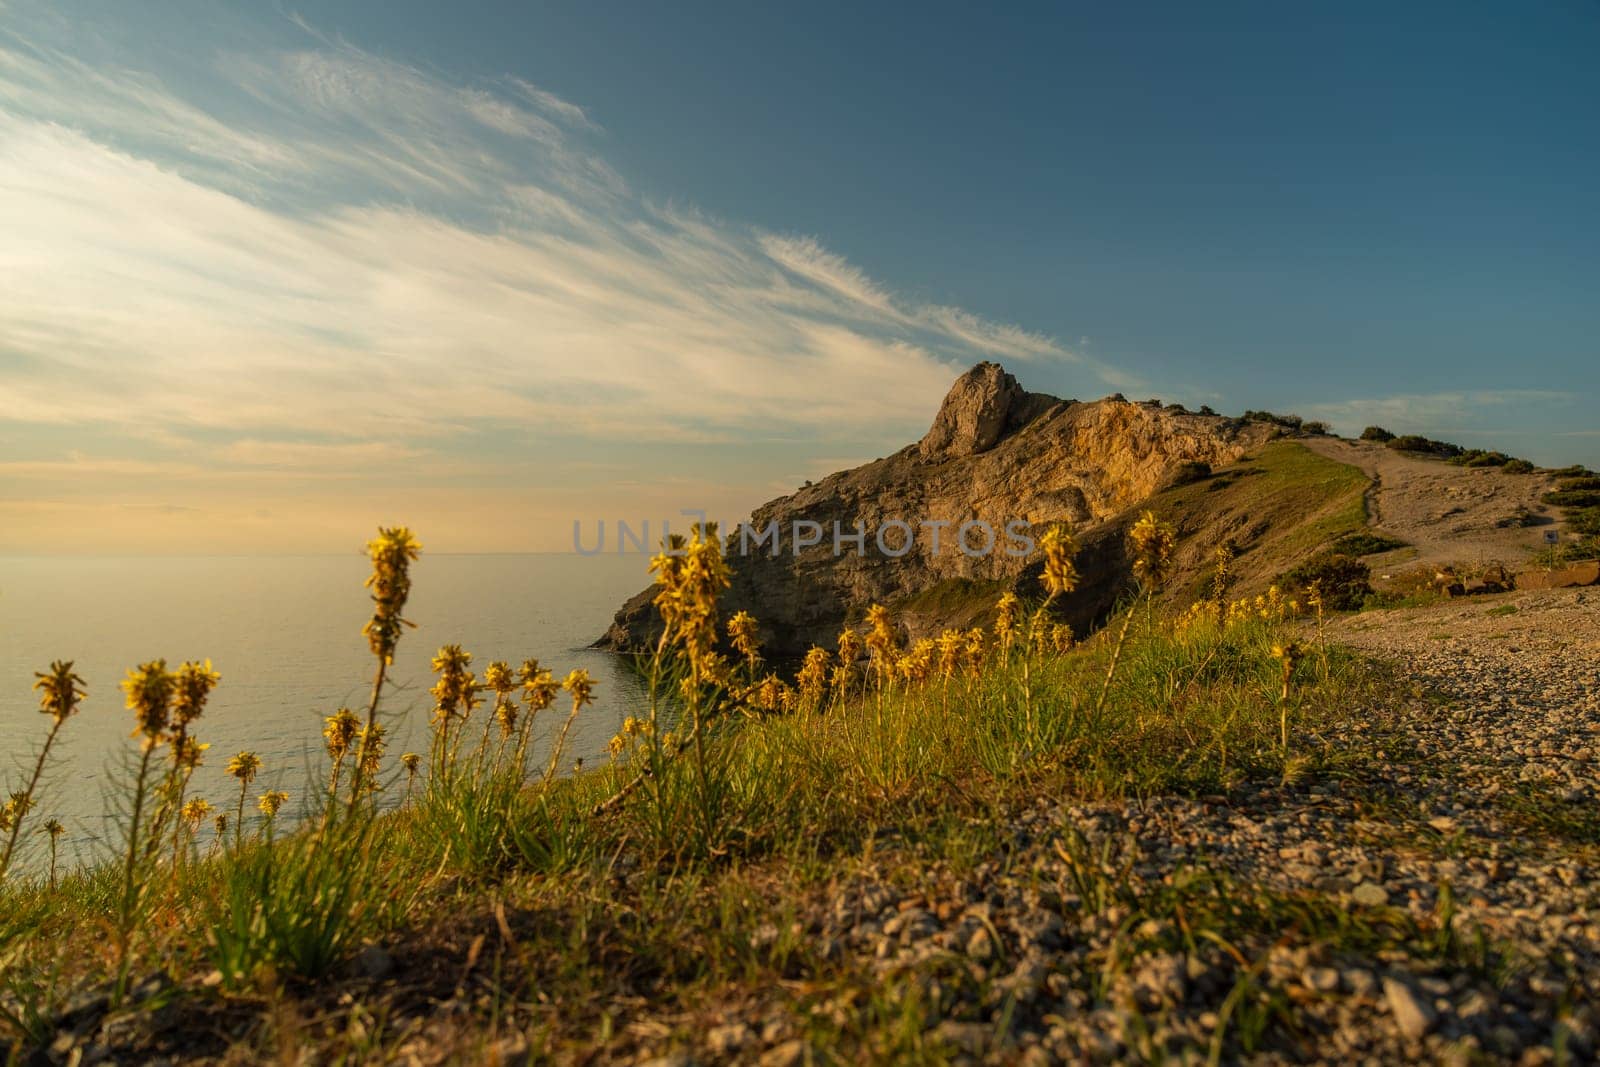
(1288, 653)
(149, 690)
(1008, 612)
(742, 632)
(498, 677)
(59, 692)
(1059, 546)
(410, 761)
(371, 751)
(195, 811)
(1061, 637)
(1153, 543)
(581, 686)
(617, 746)
(976, 640)
(455, 694)
(271, 801)
(340, 732)
(813, 675)
(193, 685)
(186, 751)
(849, 646)
(690, 581)
(244, 766)
(881, 638)
(538, 686)
(392, 552)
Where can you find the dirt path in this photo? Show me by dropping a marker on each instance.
(1448, 514)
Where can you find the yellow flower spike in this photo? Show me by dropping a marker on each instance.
(191, 688)
(410, 761)
(149, 692)
(371, 750)
(581, 686)
(499, 678)
(60, 691)
(1008, 613)
(1153, 543)
(539, 686)
(195, 811)
(392, 551)
(340, 732)
(244, 767)
(271, 801)
(455, 694)
(813, 676)
(977, 647)
(744, 635)
(187, 752)
(1059, 545)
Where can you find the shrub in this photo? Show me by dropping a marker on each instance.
(1577, 470)
(1573, 484)
(1316, 428)
(1344, 581)
(1518, 466)
(1207, 409)
(1376, 433)
(1585, 522)
(1367, 543)
(1573, 498)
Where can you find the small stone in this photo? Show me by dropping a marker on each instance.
(1413, 1017)
(1321, 979)
(1370, 895)
(374, 962)
(789, 1054)
(726, 1040)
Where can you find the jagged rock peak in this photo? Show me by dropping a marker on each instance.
(982, 406)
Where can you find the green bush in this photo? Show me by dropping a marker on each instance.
(1518, 466)
(1344, 581)
(1585, 522)
(1573, 484)
(1367, 543)
(1376, 433)
(1577, 470)
(1416, 443)
(1573, 498)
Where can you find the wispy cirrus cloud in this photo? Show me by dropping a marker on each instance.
(358, 260)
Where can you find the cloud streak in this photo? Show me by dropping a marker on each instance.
(306, 257)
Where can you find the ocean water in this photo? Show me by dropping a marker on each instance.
(285, 634)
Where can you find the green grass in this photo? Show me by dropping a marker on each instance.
(926, 767)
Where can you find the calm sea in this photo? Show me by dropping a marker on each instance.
(285, 634)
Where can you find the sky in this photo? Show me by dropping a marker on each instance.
(271, 275)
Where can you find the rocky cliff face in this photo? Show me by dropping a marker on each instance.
(950, 513)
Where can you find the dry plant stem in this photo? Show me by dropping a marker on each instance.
(366, 736)
(238, 817)
(615, 801)
(33, 783)
(1111, 670)
(130, 875)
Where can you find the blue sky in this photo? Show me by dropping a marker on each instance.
(274, 275)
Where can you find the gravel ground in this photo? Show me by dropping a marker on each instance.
(1061, 949)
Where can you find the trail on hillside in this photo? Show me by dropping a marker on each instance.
(1448, 514)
